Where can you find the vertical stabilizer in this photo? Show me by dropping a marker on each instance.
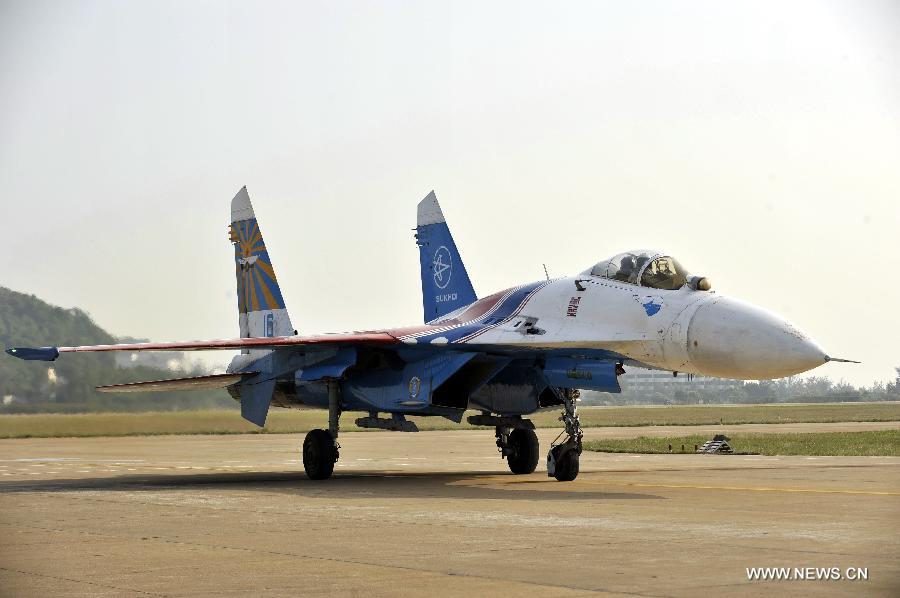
(445, 282)
(261, 310)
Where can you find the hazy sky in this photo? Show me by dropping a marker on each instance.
(757, 142)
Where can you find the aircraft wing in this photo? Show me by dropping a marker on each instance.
(354, 338)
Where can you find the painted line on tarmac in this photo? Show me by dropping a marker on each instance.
(505, 482)
(749, 488)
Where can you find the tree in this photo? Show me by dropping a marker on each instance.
(68, 383)
(893, 388)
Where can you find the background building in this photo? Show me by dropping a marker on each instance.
(642, 386)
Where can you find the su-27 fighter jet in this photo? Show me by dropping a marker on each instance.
(506, 355)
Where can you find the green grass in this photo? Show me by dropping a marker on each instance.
(283, 421)
(878, 443)
(691, 415)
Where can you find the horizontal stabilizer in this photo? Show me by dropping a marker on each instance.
(255, 400)
(194, 383)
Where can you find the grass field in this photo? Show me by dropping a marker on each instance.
(882, 443)
(284, 421)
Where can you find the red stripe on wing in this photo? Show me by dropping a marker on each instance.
(474, 311)
(367, 338)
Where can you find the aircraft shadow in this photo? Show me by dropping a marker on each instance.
(374, 484)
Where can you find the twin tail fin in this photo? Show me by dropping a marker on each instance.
(261, 309)
(445, 283)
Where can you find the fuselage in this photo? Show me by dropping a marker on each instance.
(507, 352)
(521, 349)
(682, 330)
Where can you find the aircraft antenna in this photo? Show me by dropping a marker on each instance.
(547, 274)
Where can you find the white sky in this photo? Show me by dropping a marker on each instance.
(757, 142)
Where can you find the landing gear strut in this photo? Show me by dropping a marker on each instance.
(320, 448)
(562, 460)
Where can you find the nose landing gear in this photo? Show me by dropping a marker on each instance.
(563, 458)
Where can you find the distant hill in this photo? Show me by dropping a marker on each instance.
(67, 385)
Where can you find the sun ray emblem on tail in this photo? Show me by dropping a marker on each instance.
(257, 286)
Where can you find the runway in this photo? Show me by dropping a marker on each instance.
(433, 513)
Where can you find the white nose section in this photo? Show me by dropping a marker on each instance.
(731, 339)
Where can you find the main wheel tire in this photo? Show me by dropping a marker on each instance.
(526, 451)
(319, 455)
(567, 466)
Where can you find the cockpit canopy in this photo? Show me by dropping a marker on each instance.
(647, 268)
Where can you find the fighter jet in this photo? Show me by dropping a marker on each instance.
(506, 355)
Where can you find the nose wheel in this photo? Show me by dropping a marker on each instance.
(565, 451)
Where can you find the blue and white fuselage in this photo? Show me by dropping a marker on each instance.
(682, 330)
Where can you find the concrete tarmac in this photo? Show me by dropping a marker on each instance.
(433, 513)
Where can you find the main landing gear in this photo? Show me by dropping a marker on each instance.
(520, 448)
(562, 460)
(516, 440)
(320, 448)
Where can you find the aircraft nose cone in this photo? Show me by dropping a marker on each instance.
(731, 339)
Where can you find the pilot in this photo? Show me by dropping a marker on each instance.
(626, 268)
(643, 259)
(660, 274)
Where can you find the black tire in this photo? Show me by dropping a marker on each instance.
(526, 451)
(567, 466)
(319, 455)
